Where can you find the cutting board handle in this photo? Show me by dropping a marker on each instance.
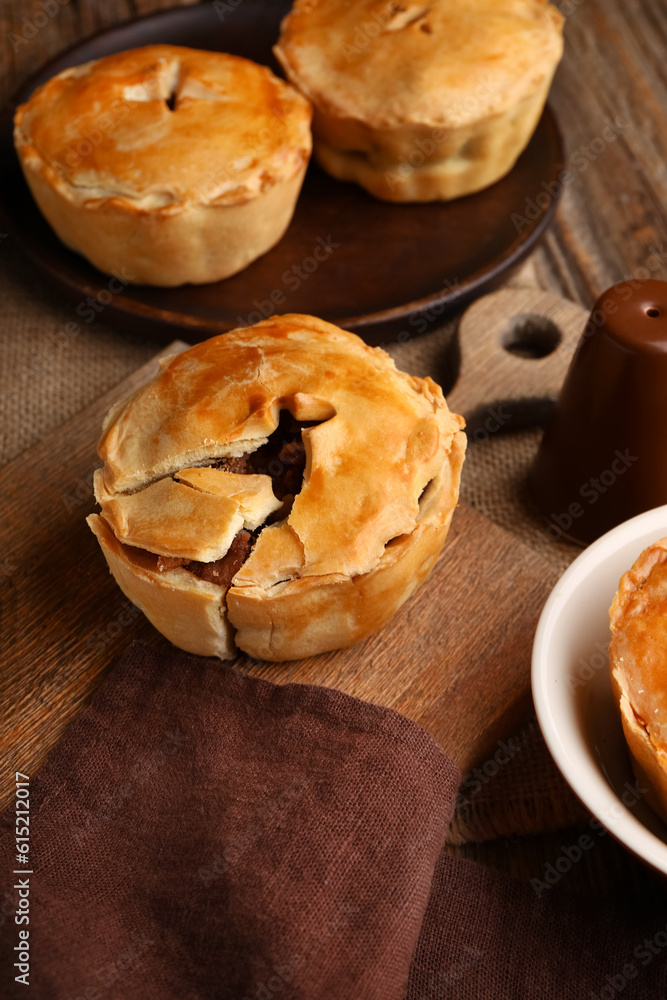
(515, 347)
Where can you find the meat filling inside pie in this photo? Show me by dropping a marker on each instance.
(283, 458)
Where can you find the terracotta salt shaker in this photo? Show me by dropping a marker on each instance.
(603, 457)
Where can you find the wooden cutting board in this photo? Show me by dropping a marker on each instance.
(455, 659)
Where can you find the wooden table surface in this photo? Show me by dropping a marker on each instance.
(610, 96)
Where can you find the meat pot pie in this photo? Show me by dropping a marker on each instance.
(418, 100)
(280, 489)
(638, 665)
(166, 164)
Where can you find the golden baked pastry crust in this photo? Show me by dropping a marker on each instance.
(194, 515)
(638, 667)
(419, 101)
(379, 488)
(174, 164)
(187, 610)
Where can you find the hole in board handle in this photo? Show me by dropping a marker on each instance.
(530, 335)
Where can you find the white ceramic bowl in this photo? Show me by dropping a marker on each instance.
(572, 691)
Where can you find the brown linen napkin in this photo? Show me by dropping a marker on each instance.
(489, 937)
(203, 835)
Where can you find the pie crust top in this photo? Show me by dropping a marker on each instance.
(638, 650)
(379, 438)
(438, 62)
(165, 127)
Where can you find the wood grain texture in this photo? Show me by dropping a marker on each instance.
(613, 215)
(455, 658)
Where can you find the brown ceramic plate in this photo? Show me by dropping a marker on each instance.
(388, 270)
